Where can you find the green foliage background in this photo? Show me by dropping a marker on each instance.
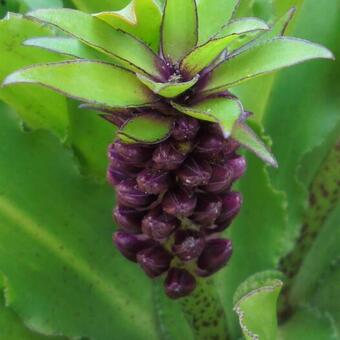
(60, 275)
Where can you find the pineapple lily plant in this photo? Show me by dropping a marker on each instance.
(163, 75)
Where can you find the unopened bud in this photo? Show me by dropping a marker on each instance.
(153, 181)
(188, 245)
(185, 128)
(168, 157)
(207, 210)
(221, 178)
(179, 202)
(194, 172)
(179, 283)
(128, 218)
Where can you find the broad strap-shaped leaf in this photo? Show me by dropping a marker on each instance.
(248, 139)
(93, 6)
(141, 18)
(88, 81)
(212, 16)
(263, 58)
(179, 29)
(225, 111)
(35, 4)
(257, 310)
(243, 25)
(170, 89)
(68, 46)
(130, 52)
(203, 55)
(145, 128)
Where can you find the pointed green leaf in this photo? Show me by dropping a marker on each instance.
(247, 138)
(121, 46)
(212, 16)
(67, 46)
(35, 4)
(141, 18)
(257, 311)
(168, 90)
(243, 25)
(179, 29)
(146, 128)
(203, 55)
(225, 111)
(264, 58)
(92, 6)
(88, 81)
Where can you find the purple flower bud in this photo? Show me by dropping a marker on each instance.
(239, 166)
(179, 283)
(154, 261)
(159, 225)
(133, 154)
(129, 244)
(185, 128)
(168, 157)
(221, 178)
(230, 146)
(215, 256)
(114, 176)
(188, 245)
(231, 205)
(179, 202)
(118, 162)
(194, 172)
(207, 210)
(210, 145)
(129, 194)
(128, 218)
(153, 181)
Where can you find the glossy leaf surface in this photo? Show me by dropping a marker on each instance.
(145, 128)
(141, 18)
(67, 46)
(73, 78)
(132, 53)
(243, 25)
(179, 29)
(247, 138)
(263, 58)
(203, 55)
(168, 90)
(213, 15)
(225, 111)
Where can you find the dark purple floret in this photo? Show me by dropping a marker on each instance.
(128, 218)
(209, 145)
(129, 245)
(239, 166)
(115, 176)
(231, 205)
(215, 256)
(179, 202)
(194, 172)
(208, 209)
(168, 157)
(154, 261)
(189, 244)
(153, 181)
(159, 225)
(133, 154)
(185, 128)
(129, 194)
(221, 178)
(179, 283)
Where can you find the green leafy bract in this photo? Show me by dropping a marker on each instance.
(203, 55)
(263, 58)
(224, 111)
(257, 311)
(248, 139)
(67, 46)
(179, 29)
(170, 89)
(146, 128)
(88, 81)
(121, 46)
(243, 25)
(141, 18)
(212, 16)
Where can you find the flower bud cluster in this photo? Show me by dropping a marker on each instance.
(173, 200)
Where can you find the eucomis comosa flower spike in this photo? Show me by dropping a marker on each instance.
(164, 76)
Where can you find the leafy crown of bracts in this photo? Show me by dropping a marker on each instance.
(148, 63)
